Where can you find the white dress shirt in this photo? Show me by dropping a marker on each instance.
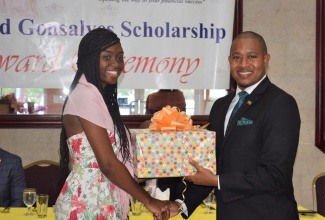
(249, 90)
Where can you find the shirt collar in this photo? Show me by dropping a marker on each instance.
(250, 89)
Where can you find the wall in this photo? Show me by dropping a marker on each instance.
(288, 27)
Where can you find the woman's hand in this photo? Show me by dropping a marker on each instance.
(156, 207)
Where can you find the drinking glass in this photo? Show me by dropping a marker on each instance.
(208, 201)
(136, 207)
(29, 197)
(41, 205)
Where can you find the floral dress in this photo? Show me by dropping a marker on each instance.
(87, 193)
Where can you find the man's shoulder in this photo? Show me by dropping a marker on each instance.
(269, 89)
(226, 98)
(221, 104)
(276, 91)
(7, 155)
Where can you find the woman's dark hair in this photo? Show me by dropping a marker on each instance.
(90, 47)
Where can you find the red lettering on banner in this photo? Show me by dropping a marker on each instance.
(73, 63)
(183, 66)
(31, 62)
(56, 59)
(6, 61)
(37, 60)
(25, 63)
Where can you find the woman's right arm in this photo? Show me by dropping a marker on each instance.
(113, 168)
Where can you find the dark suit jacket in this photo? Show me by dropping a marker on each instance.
(255, 157)
(12, 180)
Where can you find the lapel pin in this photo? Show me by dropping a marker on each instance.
(249, 102)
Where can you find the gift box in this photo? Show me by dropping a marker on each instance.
(166, 153)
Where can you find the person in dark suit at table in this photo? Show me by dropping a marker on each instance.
(12, 180)
(256, 149)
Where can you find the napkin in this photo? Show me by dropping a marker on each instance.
(152, 184)
(162, 195)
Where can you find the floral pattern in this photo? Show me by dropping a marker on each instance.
(87, 193)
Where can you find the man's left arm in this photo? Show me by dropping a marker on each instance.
(192, 197)
(17, 184)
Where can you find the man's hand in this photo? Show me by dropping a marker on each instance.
(202, 176)
(155, 206)
(174, 208)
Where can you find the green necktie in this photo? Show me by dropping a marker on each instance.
(242, 97)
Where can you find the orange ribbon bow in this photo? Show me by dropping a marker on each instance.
(171, 119)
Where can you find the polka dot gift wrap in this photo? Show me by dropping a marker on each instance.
(166, 154)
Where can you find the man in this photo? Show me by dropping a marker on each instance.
(12, 180)
(256, 149)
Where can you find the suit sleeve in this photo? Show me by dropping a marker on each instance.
(194, 195)
(17, 183)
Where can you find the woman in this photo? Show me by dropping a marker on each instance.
(100, 183)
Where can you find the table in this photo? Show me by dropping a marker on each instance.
(197, 215)
(18, 214)
(309, 216)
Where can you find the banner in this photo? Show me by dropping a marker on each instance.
(168, 44)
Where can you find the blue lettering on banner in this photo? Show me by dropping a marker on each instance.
(168, 31)
(5, 27)
(26, 27)
(128, 29)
